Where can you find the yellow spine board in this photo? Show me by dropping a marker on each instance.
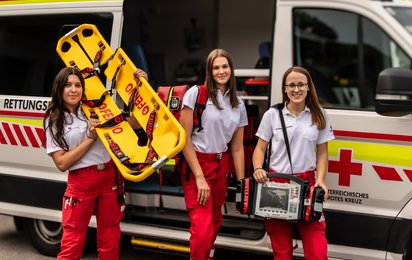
(79, 48)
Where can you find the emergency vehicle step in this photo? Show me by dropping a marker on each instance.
(160, 245)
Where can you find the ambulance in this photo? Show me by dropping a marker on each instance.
(359, 53)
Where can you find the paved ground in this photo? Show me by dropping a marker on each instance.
(15, 246)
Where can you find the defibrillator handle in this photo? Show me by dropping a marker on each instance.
(290, 177)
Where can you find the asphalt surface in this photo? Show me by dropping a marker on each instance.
(15, 245)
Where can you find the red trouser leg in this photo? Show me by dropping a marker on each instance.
(281, 236)
(219, 191)
(206, 219)
(87, 191)
(108, 216)
(201, 234)
(312, 234)
(75, 221)
(315, 245)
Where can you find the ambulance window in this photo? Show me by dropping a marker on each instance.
(28, 58)
(344, 62)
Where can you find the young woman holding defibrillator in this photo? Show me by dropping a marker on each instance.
(207, 151)
(308, 131)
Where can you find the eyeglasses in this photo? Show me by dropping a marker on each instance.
(292, 86)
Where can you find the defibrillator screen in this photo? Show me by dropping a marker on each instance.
(277, 200)
(274, 198)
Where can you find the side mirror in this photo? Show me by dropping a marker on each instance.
(394, 92)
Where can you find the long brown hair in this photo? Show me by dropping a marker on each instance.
(211, 84)
(55, 111)
(311, 99)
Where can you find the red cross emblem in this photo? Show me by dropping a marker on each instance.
(345, 167)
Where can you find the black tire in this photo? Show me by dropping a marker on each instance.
(44, 235)
(18, 223)
(408, 254)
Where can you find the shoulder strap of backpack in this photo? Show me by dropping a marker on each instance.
(200, 106)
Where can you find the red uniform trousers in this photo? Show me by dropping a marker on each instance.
(89, 191)
(205, 220)
(312, 233)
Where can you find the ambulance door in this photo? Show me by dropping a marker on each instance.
(370, 160)
(31, 187)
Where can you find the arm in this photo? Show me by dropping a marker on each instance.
(132, 120)
(238, 153)
(65, 159)
(259, 174)
(139, 73)
(186, 119)
(322, 166)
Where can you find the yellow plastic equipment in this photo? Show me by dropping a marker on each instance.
(85, 48)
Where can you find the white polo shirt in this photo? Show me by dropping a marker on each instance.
(303, 137)
(218, 125)
(74, 134)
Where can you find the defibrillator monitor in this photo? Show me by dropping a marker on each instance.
(278, 200)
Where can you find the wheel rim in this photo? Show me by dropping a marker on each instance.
(49, 231)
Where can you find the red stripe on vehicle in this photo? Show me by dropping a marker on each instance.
(367, 135)
(20, 135)
(9, 134)
(2, 139)
(40, 134)
(31, 136)
(387, 173)
(408, 174)
(22, 114)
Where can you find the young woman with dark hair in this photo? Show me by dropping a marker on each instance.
(309, 130)
(207, 151)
